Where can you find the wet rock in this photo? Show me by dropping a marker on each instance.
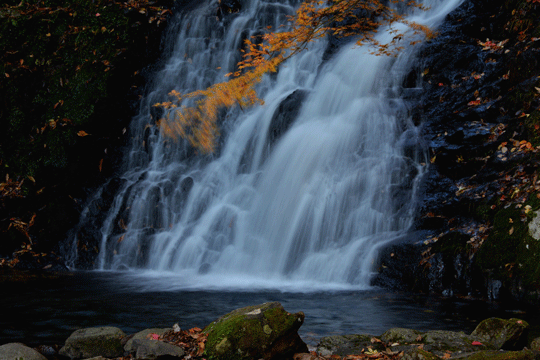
(498, 355)
(264, 331)
(534, 226)
(226, 7)
(141, 335)
(90, 342)
(152, 349)
(285, 114)
(305, 356)
(535, 344)
(418, 354)
(440, 342)
(401, 335)
(18, 351)
(503, 334)
(343, 345)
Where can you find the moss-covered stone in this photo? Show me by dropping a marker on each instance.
(18, 351)
(100, 341)
(452, 243)
(496, 355)
(402, 336)
(504, 334)
(510, 254)
(264, 331)
(419, 354)
(344, 345)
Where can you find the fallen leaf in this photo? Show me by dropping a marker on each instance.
(476, 343)
(82, 133)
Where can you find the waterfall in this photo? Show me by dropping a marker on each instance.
(302, 191)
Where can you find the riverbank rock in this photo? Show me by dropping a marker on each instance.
(18, 351)
(142, 347)
(141, 335)
(343, 345)
(490, 340)
(503, 334)
(264, 331)
(506, 355)
(91, 342)
(152, 349)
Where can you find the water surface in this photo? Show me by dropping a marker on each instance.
(46, 308)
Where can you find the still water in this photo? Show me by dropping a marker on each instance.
(45, 308)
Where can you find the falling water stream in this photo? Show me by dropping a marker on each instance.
(302, 191)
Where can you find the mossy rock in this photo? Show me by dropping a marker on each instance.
(503, 334)
(497, 355)
(344, 345)
(264, 331)
(441, 342)
(451, 244)
(18, 351)
(510, 254)
(419, 354)
(141, 335)
(91, 342)
(401, 336)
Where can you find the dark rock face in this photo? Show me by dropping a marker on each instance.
(60, 190)
(285, 115)
(471, 233)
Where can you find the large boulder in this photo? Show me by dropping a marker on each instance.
(343, 345)
(152, 349)
(91, 342)
(141, 335)
(264, 331)
(501, 355)
(18, 351)
(503, 334)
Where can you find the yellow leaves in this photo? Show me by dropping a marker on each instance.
(312, 20)
(489, 45)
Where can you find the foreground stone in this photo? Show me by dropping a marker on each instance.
(130, 347)
(487, 341)
(503, 334)
(18, 351)
(152, 349)
(264, 331)
(92, 342)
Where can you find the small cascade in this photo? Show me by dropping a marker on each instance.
(302, 192)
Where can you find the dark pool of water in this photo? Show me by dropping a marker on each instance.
(45, 308)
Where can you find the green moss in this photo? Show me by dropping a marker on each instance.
(533, 127)
(422, 354)
(55, 62)
(244, 333)
(452, 244)
(510, 253)
(496, 355)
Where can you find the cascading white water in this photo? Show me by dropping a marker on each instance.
(302, 200)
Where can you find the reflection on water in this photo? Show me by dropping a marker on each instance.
(45, 308)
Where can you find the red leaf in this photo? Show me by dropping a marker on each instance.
(477, 343)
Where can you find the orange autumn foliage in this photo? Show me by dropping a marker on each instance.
(313, 20)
